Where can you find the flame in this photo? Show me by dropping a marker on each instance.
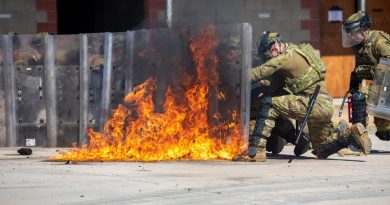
(182, 131)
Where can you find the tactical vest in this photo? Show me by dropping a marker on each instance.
(316, 71)
(365, 55)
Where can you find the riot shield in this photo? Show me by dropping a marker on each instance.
(165, 55)
(2, 99)
(67, 72)
(29, 55)
(379, 94)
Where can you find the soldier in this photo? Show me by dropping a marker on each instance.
(302, 70)
(32, 56)
(368, 46)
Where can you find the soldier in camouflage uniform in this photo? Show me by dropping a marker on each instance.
(284, 129)
(301, 69)
(368, 46)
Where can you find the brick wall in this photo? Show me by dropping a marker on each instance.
(313, 23)
(28, 16)
(155, 13)
(296, 20)
(48, 7)
(18, 16)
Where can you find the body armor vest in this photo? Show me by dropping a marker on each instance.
(365, 59)
(316, 71)
(364, 54)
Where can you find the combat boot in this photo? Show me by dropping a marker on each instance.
(341, 130)
(360, 135)
(357, 136)
(260, 155)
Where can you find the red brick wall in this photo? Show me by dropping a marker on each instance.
(313, 25)
(50, 7)
(155, 13)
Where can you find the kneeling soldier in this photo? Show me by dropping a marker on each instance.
(302, 70)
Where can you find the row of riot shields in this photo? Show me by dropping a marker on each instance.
(54, 87)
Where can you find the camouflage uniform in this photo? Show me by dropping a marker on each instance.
(294, 66)
(301, 70)
(367, 55)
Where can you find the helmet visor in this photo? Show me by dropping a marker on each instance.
(352, 35)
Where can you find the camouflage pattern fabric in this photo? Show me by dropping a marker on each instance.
(381, 124)
(367, 58)
(295, 107)
(355, 17)
(297, 72)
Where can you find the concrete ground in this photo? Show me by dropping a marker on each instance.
(281, 180)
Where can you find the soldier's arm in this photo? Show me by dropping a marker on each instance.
(381, 48)
(270, 67)
(364, 72)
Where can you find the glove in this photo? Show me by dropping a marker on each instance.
(256, 88)
(256, 85)
(365, 71)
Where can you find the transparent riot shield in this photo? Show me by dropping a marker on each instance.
(96, 62)
(119, 67)
(28, 56)
(2, 99)
(67, 71)
(379, 99)
(166, 55)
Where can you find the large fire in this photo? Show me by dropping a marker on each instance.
(182, 131)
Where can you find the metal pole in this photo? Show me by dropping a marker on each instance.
(51, 92)
(245, 79)
(9, 91)
(107, 77)
(362, 6)
(169, 13)
(84, 82)
(129, 62)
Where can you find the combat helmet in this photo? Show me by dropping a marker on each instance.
(38, 42)
(265, 42)
(357, 22)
